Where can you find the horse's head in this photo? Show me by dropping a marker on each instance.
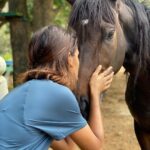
(101, 39)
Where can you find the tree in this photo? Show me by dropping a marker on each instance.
(42, 13)
(19, 31)
(21, 28)
(25, 17)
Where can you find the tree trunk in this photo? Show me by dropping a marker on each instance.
(42, 13)
(19, 31)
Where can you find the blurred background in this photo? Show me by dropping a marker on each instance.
(18, 20)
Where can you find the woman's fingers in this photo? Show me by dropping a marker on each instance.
(108, 71)
(109, 81)
(107, 87)
(101, 81)
(110, 76)
(98, 69)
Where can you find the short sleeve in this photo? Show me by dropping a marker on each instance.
(57, 114)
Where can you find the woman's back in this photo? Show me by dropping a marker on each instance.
(31, 115)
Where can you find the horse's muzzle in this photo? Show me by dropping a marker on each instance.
(84, 106)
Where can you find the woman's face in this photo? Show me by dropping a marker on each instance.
(74, 63)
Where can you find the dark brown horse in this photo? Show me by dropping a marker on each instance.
(107, 31)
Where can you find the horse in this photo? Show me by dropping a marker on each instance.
(100, 40)
(116, 33)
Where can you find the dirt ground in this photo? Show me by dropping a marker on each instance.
(118, 123)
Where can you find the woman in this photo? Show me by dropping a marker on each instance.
(44, 109)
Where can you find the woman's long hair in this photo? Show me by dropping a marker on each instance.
(48, 56)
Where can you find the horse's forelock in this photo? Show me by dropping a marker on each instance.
(95, 11)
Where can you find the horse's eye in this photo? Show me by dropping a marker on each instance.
(109, 35)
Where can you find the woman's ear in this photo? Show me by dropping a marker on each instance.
(70, 60)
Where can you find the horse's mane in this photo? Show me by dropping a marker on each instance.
(93, 10)
(148, 13)
(141, 15)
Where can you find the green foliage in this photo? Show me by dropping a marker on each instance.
(61, 12)
(5, 48)
(58, 3)
(61, 18)
(146, 2)
(7, 56)
(62, 9)
(30, 9)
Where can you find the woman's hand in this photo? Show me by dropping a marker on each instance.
(101, 81)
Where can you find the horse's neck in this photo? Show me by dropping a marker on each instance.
(138, 52)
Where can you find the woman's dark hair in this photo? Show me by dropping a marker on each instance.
(48, 54)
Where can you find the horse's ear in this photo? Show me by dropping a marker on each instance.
(115, 3)
(71, 1)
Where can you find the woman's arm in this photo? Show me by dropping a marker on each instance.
(65, 144)
(99, 82)
(92, 135)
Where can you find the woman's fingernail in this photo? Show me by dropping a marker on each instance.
(100, 66)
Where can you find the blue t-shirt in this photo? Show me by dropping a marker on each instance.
(35, 113)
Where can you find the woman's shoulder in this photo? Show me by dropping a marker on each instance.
(50, 96)
(48, 84)
(57, 92)
(50, 88)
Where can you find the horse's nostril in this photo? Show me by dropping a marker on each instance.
(83, 98)
(84, 106)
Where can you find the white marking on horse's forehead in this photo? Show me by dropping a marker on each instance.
(85, 21)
